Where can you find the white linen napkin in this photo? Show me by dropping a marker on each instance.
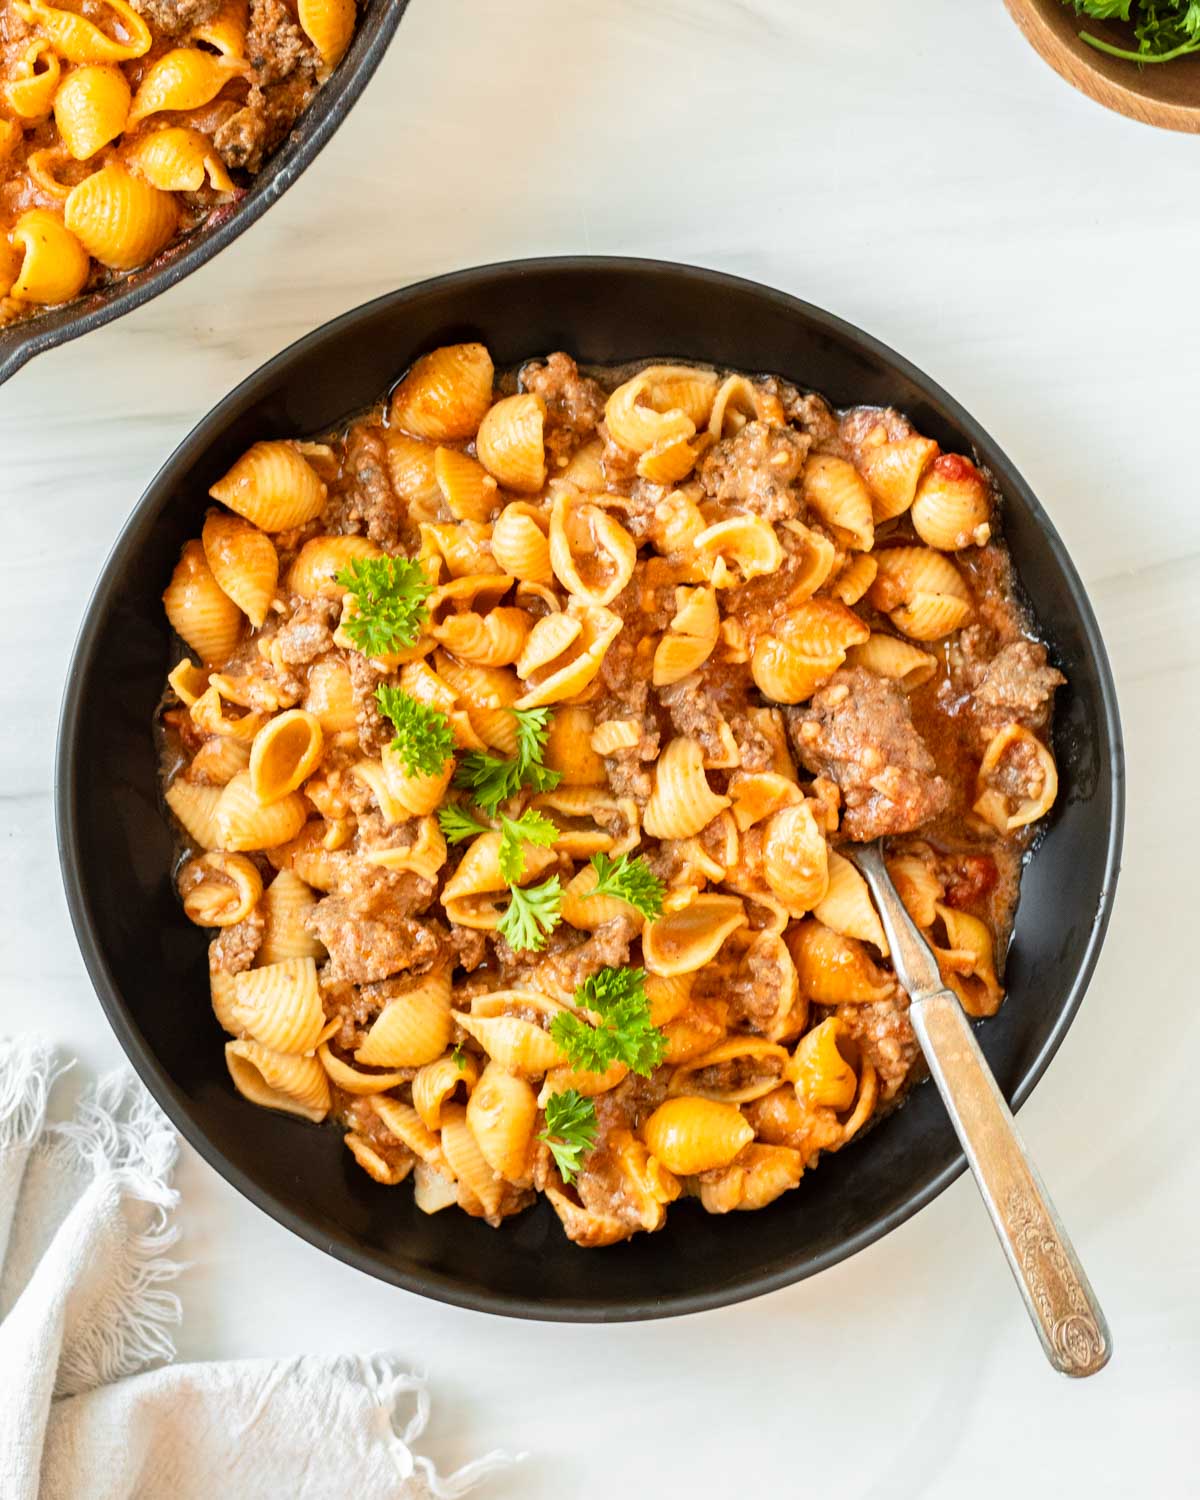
(85, 1310)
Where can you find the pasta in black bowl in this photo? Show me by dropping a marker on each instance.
(650, 1082)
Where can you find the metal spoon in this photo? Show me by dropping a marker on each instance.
(1059, 1300)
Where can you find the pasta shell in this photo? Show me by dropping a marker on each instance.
(918, 886)
(582, 910)
(753, 1065)
(220, 989)
(756, 795)
(199, 609)
(90, 108)
(921, 591)
(846, 906)
(795, 858)
(517, 1045)
(758, 1176)
(690, 1135)
(243, 824)
(183, 79)
(834, 491)
(854, 579)
(411, 470)
(888, 657)
(510, 444)
(592, 555)
(227, 893)
(209, 715)
(968, 962)
(284, 754)
(196, 808)
(280, 1005)
(54, 265)
(494, 639)
(432, 1189)
(639, 414)
(467, 488)
(425, 856)
(952, 505)
(226, 30)
(377, 1167)
(178, 159)
(559, 1080)
(330, 697)
(287, 902)
(808, 646)
(690, 637)
(668, 462)
(329, 26)
(577, 666)
(832, 968)
(680, 942)
(243, 561)
(520, 543)
(467, 1161)
(313, 573)
(78, 39)
(445, 395)
(219, 760)
(682, 802)
(35, 80)
(405, 1124)
(738, 401)
(893, 470)
(120, 220)
(1030, 767)
(275, 1080)
(273, 486)
(437, 1082)
(739, 549)
(413, 1028)
(820, 1072)
(570, 749)
(501, 1113)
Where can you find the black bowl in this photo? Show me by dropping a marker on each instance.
(19, 342)
(148, 962)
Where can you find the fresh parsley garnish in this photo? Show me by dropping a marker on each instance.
(391, 595)
(424, 739)
(458, 824)
(459, 1058)
(530, 828)
(624, 1034)
(570, 1130)
(532, 914)
(630, 879)
(493, 779)
(1163, 29)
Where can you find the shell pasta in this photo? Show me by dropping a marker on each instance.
(517, 735)
(124, 125)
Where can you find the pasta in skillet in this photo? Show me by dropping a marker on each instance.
(521, 730)
(123, 125)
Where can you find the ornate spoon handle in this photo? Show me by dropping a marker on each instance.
(1060, 1301)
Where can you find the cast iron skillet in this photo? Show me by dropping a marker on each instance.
(330, 106)
(148, 962)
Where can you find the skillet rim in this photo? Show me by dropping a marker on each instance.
(141, 520)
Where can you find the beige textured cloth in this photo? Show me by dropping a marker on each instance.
(85, 1311)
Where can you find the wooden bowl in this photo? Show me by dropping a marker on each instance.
(1165, 94)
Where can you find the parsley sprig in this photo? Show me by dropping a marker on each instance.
(493, 779)
(624, 1034)
(532, 915)
(532, 827)
(570, 1130)
(424, 740)
(1163, 29)
(630, 879)
(391, 595)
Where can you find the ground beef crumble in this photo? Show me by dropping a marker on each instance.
(858, 731)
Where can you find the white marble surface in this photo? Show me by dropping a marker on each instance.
(917, 170)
